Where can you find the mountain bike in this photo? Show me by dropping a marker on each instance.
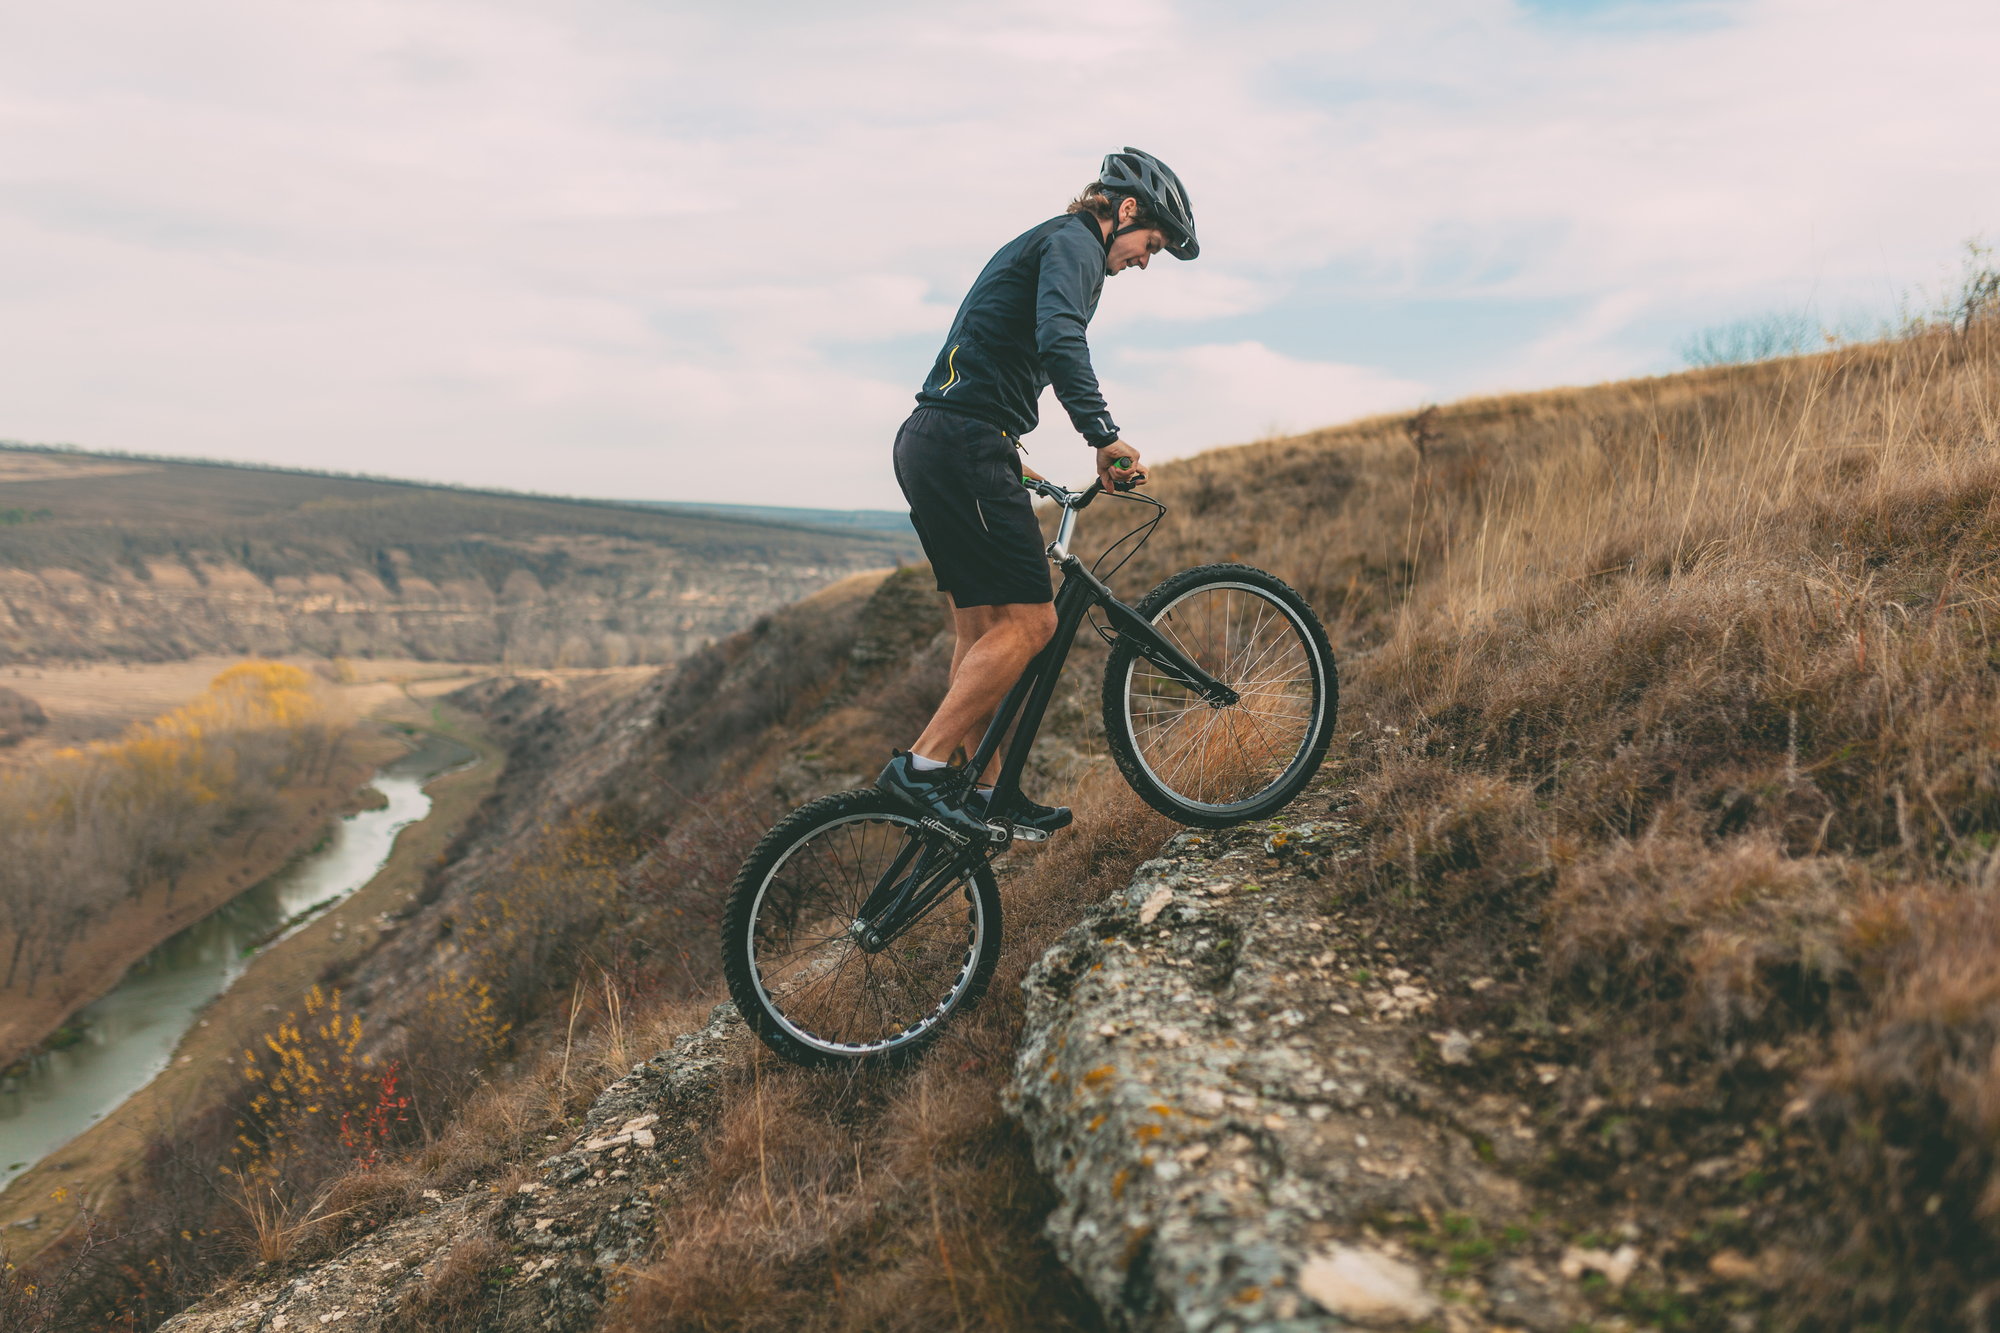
(854, 933)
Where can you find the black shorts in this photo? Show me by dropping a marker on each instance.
(963, 480)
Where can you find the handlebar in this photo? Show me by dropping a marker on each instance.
(1077, 500)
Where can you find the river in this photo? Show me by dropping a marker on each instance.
(129, 1036)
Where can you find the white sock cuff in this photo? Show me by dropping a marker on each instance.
(923, 765)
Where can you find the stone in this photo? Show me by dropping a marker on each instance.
(1732, 1266)
(1199, 1165)
(20, 718)
(1616, 1266)
(1366, 1285)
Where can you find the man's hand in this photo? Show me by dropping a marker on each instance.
(1108, 454)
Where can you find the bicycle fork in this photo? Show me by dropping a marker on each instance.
(915, 882)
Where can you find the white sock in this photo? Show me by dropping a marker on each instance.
(923, 765)
(987, 792)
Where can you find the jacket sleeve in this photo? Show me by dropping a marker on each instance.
(1072, 263)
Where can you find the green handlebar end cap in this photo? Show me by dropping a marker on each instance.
(1122, 464)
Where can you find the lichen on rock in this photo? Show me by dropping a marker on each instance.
(1228, 1115)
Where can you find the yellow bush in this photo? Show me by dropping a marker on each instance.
(308, 1078)
(462, 1007)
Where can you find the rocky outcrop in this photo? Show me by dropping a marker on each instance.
(541, 1254)
(1234, 1096)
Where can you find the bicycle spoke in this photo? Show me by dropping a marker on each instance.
(1222, 756)
(818, 979)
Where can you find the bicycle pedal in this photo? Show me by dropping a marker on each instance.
(1022, 833)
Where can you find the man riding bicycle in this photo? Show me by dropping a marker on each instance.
(1020, 328)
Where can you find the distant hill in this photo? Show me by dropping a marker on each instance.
(105, 556)
(877, 520)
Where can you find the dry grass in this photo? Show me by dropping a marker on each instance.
(453, 1299)
(1686, 732)
(908, 1200)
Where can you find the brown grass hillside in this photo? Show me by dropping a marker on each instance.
(1668, 706)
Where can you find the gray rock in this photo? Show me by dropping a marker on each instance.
(1366, 1286)
(1228, 1097)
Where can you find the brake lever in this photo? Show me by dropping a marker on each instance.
(1096, 488)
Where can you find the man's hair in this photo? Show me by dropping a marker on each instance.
(1093, 200)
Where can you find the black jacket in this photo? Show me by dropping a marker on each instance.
(1021, 327)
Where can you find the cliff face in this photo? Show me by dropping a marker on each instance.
(626, 604)
(154, 561)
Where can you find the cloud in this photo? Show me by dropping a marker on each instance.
(1174, 403)
(678, 250)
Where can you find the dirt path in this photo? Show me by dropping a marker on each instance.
(96, 1162)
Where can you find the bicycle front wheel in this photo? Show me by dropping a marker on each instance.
(1211, 766)
(797, 966)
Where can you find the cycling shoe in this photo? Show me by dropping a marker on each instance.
(1024, 813)
(934, 799)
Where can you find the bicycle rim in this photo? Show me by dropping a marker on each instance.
(1218, 760)
(813, 977)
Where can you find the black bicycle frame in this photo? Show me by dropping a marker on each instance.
(1029, 699)
(900, 900)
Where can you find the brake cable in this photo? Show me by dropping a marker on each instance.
(1144, 533)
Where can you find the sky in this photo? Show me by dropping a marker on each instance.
(707, 252)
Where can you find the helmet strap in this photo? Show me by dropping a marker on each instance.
(1116, 232)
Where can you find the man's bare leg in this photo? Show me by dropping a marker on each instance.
(995, 644)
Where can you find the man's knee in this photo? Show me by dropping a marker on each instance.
(1042, 623)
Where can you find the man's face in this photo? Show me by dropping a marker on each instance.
(1134, 247)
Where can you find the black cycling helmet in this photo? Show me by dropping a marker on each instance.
(1160, 194)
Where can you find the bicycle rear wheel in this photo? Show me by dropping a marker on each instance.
(1211, 766)
(799, 974)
